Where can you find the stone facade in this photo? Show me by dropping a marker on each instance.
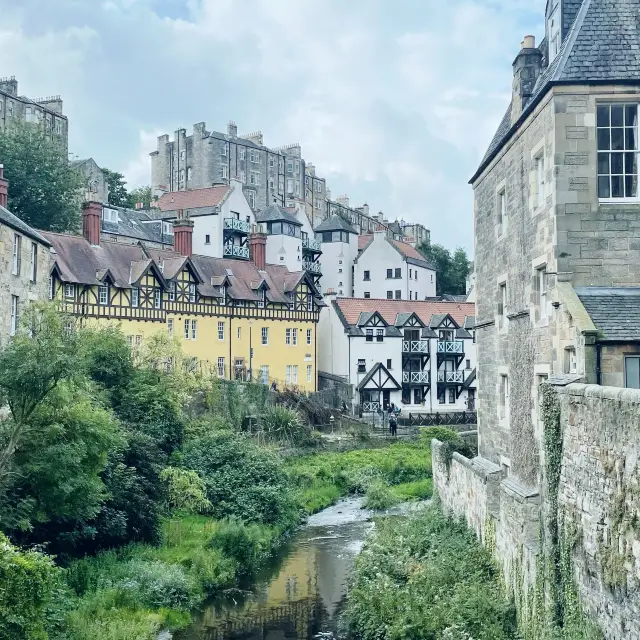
(48, 111)
(95, 187)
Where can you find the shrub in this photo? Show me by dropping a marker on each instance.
(29, 583)
(281, 424)
(185, 490)
(379, 496)
(242, 480)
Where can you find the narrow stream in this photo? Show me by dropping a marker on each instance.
(303, 592)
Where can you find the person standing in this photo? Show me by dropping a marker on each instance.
(393, 425)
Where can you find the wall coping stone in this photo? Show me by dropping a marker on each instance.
(619, 394)
(481, 467)
(520, 492)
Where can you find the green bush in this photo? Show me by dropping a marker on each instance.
(29, 585)
(427, 577)
(379, 496)
(242, 480)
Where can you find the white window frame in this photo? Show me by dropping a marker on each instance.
(192, 292)
(103, 294)
(224, 151)
(309, 302)
(309, 336)
(15, 315)
(221, 331)
(287, 337)
(194, 329)
(70, 291)
(264, 337)
(172, 290)
(294, 371)
(542, 285)
(264, 374)
(17, 257)
(254, 156)
(187, 329)
(157, 298)
(251, 199)
(221, 367)
(170, 327)
(501, 211)
(224, 171)
(288, 374)
(309, 373)
(626, 359)
(135, 296)
(34, 262)
(295, 337)
(539, 164)
(504, 396)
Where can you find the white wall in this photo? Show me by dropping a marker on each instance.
(379, 256)
(338, 256)
(333, 354)
(285, 250)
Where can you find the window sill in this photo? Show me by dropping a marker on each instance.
(618, 200)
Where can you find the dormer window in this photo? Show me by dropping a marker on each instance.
(554, 34)
(223, 293)
(261, 299)
(192, 292)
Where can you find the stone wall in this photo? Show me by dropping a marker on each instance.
(598, 508)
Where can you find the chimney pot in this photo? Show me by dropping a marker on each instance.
(258, 250)
(183, 235)
(91, 221)
(529, 42)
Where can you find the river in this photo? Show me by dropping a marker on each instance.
(302, 593)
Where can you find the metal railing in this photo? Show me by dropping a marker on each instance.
(313, 245)
(416, 377)
(435, 419)
(234, 251)
(370, 407)
(311, 267)
(451, 377)
(455, 346)
(415, 346)
(233, 224)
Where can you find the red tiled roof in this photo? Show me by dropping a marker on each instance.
(351, 309)
(363, 241)
(209, 197)
(407, 250)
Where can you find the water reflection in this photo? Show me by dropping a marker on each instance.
(303, 597)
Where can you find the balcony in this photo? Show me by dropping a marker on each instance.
(311, 245)
(370, 407)
(451, 377)
(234, 251)
(416, 377)
(415, 346)
(233, 224)
(455, 347)
(311, 267)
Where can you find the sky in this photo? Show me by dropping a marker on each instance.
(393, 101)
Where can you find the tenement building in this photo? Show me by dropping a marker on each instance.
(237, 318)
(557, 284)
(47, 111)
(421, 356)
(24, 266)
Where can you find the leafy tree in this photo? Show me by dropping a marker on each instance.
(43, 353)
(452, 270)
(118, 195)
(185, 490)
(142, 194)
(43, 188)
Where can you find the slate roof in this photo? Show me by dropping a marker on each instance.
(349, 309)
(6, 217)
(276, 213)
(614, 311)
(335, 223)
(602, 46)
(138, 225)
(470, 322)
(194, 199)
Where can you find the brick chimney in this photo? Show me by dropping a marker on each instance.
(232, 129)
(4, 187)
(91, 220)
(183, 235)
(526, 69)
(258, 249)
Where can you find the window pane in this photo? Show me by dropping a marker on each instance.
(616, 163)
(603, 115)
(631, 115)
(630, 163)
(617, 139)
(603, 163)
(631, 138)
(632, 370)
(630, 186)
(617, 111)
(617, 187)
(603, 139)
(603, 187)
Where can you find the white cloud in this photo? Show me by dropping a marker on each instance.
(393, 102)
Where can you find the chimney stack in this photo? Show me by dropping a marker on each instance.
(183, 235)
(526, 69)
(4, 187)
(258, 249)
(91, 221)
(232, 129)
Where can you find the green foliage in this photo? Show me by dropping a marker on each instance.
(418, 490)
(43, 188)
(284, 425)
(185, 490)
(107, 357)
(118, 196)
(379, 496)
(29, 585)
(142, 194)
(452, 270)
(426, 577)
(242, 480)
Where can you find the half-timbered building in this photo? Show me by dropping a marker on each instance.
(419, 355)
(242, 319)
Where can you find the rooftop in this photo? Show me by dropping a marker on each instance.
(614, 311)
(6, 217)
(194, 199)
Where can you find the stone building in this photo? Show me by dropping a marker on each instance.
(95, 186)
(24, 266)
(557, 214)
(206, 158)
(48, 111)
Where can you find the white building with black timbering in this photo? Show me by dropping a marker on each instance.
(418, 355)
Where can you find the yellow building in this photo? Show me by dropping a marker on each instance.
(244, 318)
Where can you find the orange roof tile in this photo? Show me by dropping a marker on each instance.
(351, 309)
(195, 199)
(408, 250)
(363, 241)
